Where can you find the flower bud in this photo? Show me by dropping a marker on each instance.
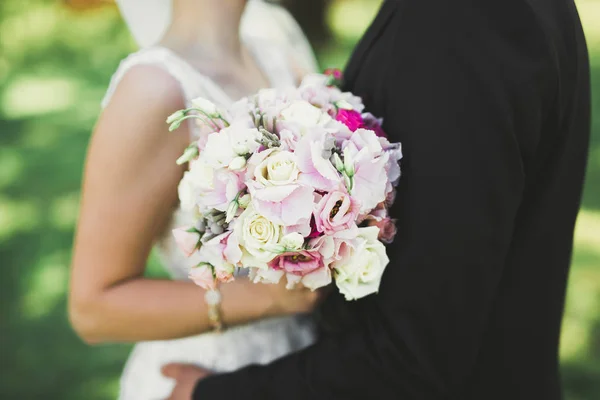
(200, 225)
(189, 154)
(231, 210)
(337, 162)
(348, 182)
(175, 125)
(244, 201)
(216, 228)
(177, 115)
(237, 163)
(348, 163)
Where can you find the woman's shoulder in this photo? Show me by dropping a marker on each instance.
(150, 71)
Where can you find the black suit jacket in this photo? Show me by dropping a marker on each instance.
(490, 100)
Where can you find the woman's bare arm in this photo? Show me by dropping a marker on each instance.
(129, 193)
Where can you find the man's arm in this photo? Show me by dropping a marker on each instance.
(464, 99)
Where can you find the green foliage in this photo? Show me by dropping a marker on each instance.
(55, 64)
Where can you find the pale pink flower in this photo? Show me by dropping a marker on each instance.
(394, 150)
(370, 176)
(303, 227)
(313, 152)
(336, 213)
(328, 246)
(213, 253)
(187, 239)
(202, 275)
(232, 252)
(364, 138)
(288, 140)
(226, 186)
(316, 279)
(224, 275)
(284, 205)
(387, 230)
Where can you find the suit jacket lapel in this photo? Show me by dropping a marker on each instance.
(383, 17)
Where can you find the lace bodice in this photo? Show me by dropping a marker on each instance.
(274, 65)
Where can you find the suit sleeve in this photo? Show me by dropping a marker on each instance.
(463, 94)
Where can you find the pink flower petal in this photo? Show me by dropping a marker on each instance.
(186, 240)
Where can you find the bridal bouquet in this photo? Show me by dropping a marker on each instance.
(289, 183)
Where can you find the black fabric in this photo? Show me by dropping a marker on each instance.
(490, 100)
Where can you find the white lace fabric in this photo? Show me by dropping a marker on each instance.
(258, 342)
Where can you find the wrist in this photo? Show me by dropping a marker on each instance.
(271, 306)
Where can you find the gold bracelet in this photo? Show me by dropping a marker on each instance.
(213, 300)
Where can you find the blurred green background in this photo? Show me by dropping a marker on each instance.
(55, 63)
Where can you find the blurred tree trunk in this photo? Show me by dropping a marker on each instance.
(312, 17)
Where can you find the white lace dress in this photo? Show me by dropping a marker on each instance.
(258, 342)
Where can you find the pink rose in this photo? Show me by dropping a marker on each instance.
(187, 239)
(379, 217)
(336, 213)
(387, 230)
(390, 198)
(224, 275)
(351, 118)
(328, 247)
(203, 276)
(297, 262)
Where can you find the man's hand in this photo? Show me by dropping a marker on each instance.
(186, 376)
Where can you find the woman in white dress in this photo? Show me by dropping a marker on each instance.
(190, 48)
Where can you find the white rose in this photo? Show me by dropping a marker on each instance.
(256, 235)
(358, 273)
(278, 169)
(206, 106)
(304, 114)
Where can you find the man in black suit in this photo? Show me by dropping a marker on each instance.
(490, 100)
